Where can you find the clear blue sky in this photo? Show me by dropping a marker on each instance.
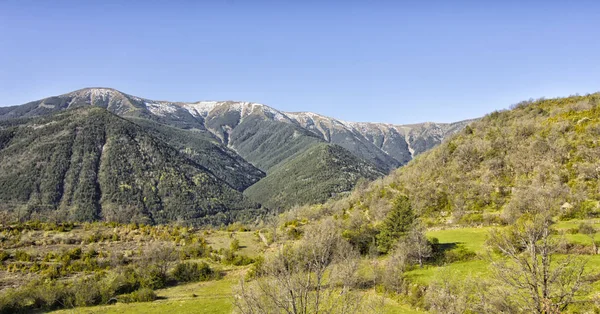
(383, 61)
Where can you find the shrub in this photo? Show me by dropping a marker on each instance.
(86, 292)
(141, 295)
(189, 272)
(234, 245)
(4, 256)
(23, 256)
(152, 278)
(459, 254)
(196, 250)
(257, 269)
(471, 219)
(70, 255)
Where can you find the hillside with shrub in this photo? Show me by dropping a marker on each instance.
(543, 153)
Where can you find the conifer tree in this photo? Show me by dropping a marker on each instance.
(397, 223)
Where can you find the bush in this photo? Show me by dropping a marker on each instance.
(23, 256)
(4, 256)
(152, 278)
(459, 254)
(190, 272)
(196, 251)
(471, 219)
(234, 245)
(141, 295)
(257, 269)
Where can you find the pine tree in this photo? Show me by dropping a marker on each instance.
(396, 224)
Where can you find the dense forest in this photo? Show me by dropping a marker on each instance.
(314, 176)
(89, 164)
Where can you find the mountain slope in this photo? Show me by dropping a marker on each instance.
(87, 164)
(541, 154)
(312, 177)
(201, 148)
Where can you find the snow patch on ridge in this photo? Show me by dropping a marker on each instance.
(160, 109)
(201, 108)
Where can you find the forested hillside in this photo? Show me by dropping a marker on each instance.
(201, 147)
(312, 177)
(88, 164)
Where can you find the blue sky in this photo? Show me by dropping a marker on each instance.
(381, 61)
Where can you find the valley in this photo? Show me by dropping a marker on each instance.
(469, 225)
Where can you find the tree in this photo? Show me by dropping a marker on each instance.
(541, 281)
(234, 245)
(590, 231)
(416, 246)
(396, 224)
(392, 277)
(316, 275)
(160, 258)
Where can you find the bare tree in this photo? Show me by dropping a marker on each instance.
(449, 294)
(316, 275)
(160, 256)
(415, 247)
(392, 277)
(541, 281)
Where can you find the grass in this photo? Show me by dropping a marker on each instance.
(472, 238)
(217, 296)
(203, 297)
(474, 268)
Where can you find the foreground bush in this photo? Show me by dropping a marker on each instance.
(190, 272)
(142, 295)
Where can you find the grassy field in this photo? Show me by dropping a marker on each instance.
(472, 238)
(208, 297)
(202, 297)
(217, 296)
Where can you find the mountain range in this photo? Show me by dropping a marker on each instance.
(275, 158)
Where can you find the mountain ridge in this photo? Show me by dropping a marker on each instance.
(387, 146)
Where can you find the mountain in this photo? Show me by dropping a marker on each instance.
(86, 164)
(542, 154)
(312, 177)
(242, 142)
(385, 145)
(262, 135)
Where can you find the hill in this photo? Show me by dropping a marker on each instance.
(312, 177)
(542, 153)
(86, 164)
